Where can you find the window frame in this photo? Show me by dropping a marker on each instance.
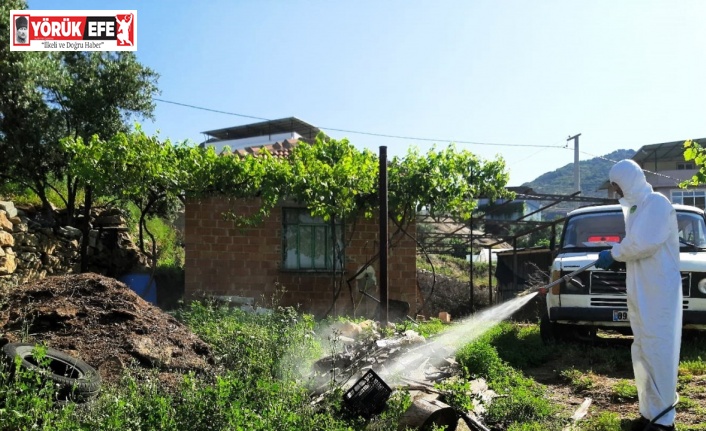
(312, 229)
(696, 198)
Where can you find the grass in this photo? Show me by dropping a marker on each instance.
(578, 380)
(262, 383)
(170, 252)
(623, 391)
(520, 400)
(454, 267)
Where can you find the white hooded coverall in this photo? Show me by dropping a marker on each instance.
(651, 252)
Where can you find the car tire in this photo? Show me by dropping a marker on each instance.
(75, 380)
(547, 331)
(587, 334)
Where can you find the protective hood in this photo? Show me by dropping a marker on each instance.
(629, 176)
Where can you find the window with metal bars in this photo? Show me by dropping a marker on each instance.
(307, 243)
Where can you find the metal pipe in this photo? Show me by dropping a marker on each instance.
(565, 279)
(384, 306)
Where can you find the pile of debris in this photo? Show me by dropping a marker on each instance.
(405, 362)
(103, 322)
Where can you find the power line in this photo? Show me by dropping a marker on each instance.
(413, 138)
(210, 110)
(379, 135)
(657, 174)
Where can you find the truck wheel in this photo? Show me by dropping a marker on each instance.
(583, 333)
(547, 330)
(75, 379)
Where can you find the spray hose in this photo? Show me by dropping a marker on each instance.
(566, 279)
(664, 412)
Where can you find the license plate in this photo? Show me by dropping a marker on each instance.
(620, 316)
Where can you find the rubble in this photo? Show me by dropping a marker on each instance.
(406, 361)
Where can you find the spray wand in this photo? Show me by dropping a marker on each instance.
(565, 279)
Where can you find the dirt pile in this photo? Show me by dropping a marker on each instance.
(103, 322)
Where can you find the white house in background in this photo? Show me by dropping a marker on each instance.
(665, 168)
(504, 209)
(485, 255)
(264, 134)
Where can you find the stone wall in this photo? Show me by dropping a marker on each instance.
(30, 250)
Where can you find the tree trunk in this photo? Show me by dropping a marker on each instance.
(427, 414)
(70, 201)
(86, 228)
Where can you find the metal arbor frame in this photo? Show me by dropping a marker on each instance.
(462, 233)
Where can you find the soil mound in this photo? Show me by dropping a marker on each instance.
(103, 322)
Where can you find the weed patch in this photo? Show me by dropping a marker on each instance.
(578, 380)
(624, 391)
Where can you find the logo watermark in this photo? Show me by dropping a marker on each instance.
(73, 30)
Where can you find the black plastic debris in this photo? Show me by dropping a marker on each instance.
(368, 395)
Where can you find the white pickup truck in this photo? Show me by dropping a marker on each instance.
(596, 298)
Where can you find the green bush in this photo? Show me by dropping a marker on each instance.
(277, 344)
(426, 328)
(695, 368)
(535, 426)
(137, 403)
(481, 359)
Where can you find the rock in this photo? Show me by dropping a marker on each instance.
(6, 240)
(112, 220)
(346, 340)
(145, 348)
(70, 233)
(8, 263)
(5, 223)
(9, 208)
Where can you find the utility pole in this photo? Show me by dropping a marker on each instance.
(577, 175)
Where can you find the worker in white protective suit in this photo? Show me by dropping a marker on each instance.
(650, 250)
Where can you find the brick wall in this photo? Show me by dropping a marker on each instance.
(225, 260)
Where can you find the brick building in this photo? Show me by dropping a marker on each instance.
(290, 249)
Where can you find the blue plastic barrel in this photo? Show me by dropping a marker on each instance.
(138, 283)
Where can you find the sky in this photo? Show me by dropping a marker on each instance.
(512, 79)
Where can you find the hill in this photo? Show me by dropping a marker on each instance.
(593, 173)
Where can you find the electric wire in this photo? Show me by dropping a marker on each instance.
(657, 174)
(358, 132)
(414, 138)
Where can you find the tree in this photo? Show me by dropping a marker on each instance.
(445, 182)
(97, 93)
(133, 167)
(29, 129)
(332, 178)
(335, 181)
(694, 151)
(47, 96)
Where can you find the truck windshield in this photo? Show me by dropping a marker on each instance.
(603, 229)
